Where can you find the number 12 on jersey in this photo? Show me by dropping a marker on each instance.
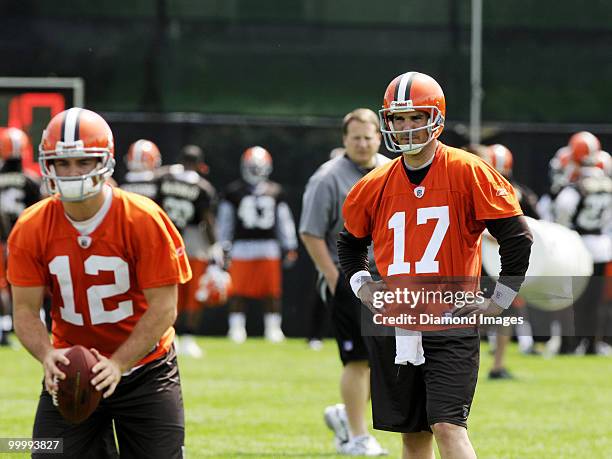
(60, 267)
(427, 263)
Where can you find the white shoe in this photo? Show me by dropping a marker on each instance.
(603, 348)
(582, 347)
(189, 347)
(553, 346)
(335, 418)
(274, 335)
(364, 445)
(315, 344)
(237, 334)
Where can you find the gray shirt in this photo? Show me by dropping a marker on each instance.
(324, 197)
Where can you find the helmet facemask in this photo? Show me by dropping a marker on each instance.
(433, 127)
(255, 170)
(80, 187)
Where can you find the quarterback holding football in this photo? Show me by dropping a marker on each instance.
(111, 261)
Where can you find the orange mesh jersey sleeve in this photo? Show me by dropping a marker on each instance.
(26, 268)
(493, 196)
(158, 248)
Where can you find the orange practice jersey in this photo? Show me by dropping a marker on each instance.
(97, 291)
(434, 228)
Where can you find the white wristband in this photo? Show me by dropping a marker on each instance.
(358, 279)
(503, 295)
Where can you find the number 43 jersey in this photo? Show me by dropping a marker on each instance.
(97, 281)
(257, 220)
(433, 228)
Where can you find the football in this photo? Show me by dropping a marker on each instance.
(76, 398)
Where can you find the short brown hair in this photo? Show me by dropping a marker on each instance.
(363, 115)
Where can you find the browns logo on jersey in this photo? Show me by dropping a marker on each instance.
(434, 228)
(97, 285)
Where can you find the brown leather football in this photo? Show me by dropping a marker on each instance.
(76, 398)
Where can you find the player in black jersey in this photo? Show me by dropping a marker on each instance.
(586, 207)
(143, 159)
(257, 228)
(190, 200)
(18, 189)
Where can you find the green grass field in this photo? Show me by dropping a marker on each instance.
(261, 400)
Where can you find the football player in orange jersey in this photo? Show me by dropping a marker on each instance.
(425, 212)
(111, 261)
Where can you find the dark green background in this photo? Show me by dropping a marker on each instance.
(543, 60)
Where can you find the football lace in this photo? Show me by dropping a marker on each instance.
(54, 393)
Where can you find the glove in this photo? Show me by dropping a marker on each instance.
(213, 286)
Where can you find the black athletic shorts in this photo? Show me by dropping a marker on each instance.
(408, 398)
(146, 407)
(346, 321)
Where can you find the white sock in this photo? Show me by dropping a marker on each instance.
(7, 322)
(272, 320)
(525, 336)
(237, 320)
(492, 339)
(555, 328)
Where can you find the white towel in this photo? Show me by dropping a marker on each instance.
(408, 347)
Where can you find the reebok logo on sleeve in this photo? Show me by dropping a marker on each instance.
(501, 192)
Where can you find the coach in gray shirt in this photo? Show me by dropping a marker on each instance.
(320, 223)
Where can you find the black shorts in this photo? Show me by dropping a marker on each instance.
(408, 398)
(589, 316)
(346, 322)
(147, 408)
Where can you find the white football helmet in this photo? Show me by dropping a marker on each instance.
(143, 155)
(214, 286)
(256, 165)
